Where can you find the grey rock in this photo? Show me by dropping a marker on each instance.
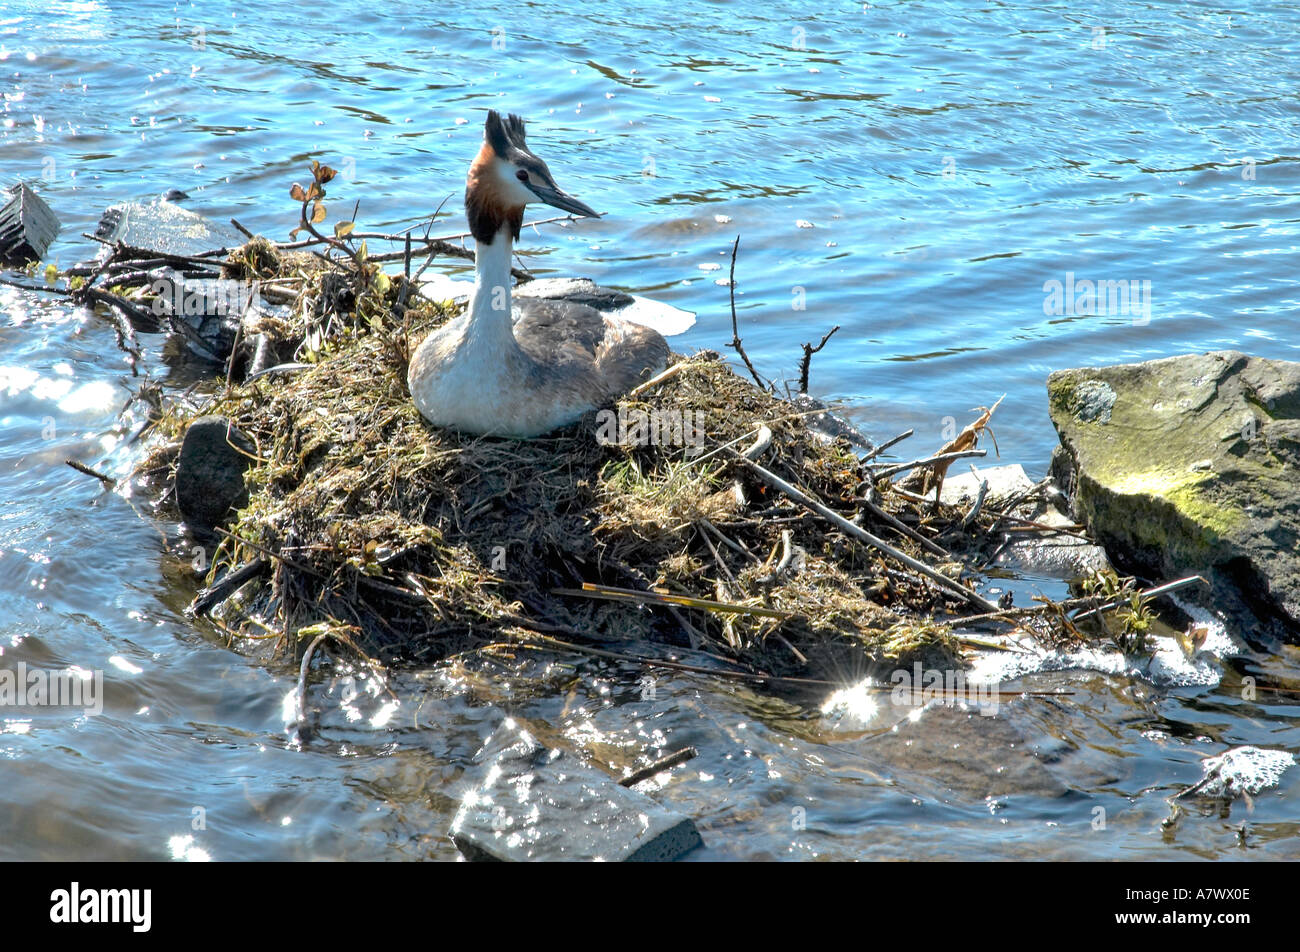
(1059, 556)
(165, 228)
(206, 312)
(210, 471)
(535, 803)
(1193, 468)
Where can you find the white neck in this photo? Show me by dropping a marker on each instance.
(489, 311)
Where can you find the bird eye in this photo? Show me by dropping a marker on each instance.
(522, 175)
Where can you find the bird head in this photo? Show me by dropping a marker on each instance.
(506, 176)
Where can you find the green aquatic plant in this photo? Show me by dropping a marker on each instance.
(1132, 619)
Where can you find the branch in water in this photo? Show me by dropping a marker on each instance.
(735, 328)
(808, 351)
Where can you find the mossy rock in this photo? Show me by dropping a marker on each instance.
(1190, 465)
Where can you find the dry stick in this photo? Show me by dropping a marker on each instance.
(660, 600)
(132, 253)
(979, 503)
(659, 766)
(1015, 500)
(428, 228)
(929, 461)
(905, 529)
(782, 565)
(886, 445)
(279, 245)
(717, 557)
(223, 586)
(787, 556)
(123, 311)
(400, 235)
(108, 481)
(433, 246)
(446, 248)
(268, 553)
(1069, 529)
(806, 363)
(735, 327)
(863, 535)
(1086, 602)
(895, 488)
(302, 677)
(654, 381)
(738, 546)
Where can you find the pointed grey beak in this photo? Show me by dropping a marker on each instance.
(562, 200)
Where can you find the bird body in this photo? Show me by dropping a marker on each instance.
(522, 369)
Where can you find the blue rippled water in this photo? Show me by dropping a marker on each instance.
(917, 174)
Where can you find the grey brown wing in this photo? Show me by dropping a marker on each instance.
(632, 354)
(572, 337)
(559, 332)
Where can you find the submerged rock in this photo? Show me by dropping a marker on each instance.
(538, 804)
(210, 470)
(1190, 465)
(204, 311)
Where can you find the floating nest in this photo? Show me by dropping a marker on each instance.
(707, 513)
(406, 542)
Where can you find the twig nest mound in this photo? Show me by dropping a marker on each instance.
(409, 541)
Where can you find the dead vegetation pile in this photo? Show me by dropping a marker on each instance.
(657, 521)
(415, 542)
(703, 510)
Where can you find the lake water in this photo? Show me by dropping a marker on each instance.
(918, 175)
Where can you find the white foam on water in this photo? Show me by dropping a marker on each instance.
(1243, 770)
(1167, 666)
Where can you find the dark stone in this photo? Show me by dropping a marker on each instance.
(1191, 465)
(27, 226)
(204, 312)
(210, 471)
(536, 804)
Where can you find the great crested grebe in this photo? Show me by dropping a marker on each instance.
(484, 373)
